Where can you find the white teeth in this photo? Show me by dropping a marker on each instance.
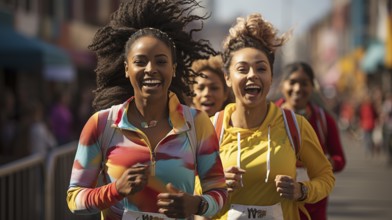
(252, 87)
(151, 81)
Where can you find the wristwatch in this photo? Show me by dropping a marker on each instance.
(304, 192)
(203, 206)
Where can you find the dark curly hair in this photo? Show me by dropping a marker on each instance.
(170, 17)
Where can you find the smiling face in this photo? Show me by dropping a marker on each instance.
(149, 67)
(250, 76)
(209, 92)
(297, 90)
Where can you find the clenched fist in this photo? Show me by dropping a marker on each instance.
(133, 180)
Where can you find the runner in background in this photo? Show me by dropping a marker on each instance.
(297, 87)
(211, 91)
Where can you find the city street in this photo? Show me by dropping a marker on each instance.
(363, 189)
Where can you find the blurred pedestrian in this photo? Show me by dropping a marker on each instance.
(211, 91)
(297, 88)
(386, 120)
(368, 120)
(148, 147)
(61, 118)
(41, 138)
(84, 107)
(255, 147)
(8, 125)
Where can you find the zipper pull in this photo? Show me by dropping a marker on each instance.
(152, 168)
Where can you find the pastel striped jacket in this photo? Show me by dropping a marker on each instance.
(173, 158)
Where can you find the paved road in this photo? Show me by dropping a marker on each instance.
(364, 189)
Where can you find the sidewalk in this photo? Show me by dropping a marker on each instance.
(363, 190)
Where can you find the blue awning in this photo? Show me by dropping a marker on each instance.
(374, 57)
(20, 52)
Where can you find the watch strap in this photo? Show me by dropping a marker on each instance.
(203, 206)
(304, 192)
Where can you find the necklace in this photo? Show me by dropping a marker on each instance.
(145, 124)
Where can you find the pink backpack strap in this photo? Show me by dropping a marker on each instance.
(292, 129)
(321, 122)
(218, 124)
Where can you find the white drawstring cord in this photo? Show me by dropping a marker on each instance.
(268, 154)
(239, 153)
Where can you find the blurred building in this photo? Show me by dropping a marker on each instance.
(350, 48)
(43, 47)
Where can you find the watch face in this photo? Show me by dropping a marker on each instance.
(304, 189)
(205, 206)
(202, 207)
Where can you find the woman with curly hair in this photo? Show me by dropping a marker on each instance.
(258, 146)
(148, 147)
(211, 91)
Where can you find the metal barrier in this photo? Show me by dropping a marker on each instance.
(35, 187)
(58, 174)
(21, 189)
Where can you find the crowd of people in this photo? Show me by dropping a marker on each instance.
(32, 126)
(181, 131)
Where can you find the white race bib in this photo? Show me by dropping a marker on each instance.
(273, 212)
(133, 215)
(302, 174)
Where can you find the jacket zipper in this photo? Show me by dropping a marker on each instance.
(153, 161)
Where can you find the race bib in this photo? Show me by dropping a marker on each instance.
(132, 215)
(302, 174)
(239, 212)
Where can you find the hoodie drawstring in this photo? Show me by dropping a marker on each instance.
(239, 154)
(268, 154)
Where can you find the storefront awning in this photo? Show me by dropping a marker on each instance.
(21, 52)
(374, 57)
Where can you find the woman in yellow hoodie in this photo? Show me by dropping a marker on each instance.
(256, 146)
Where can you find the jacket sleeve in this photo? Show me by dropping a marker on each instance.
(209, 165)
(318, 167)
(334, 145)
(83, 196)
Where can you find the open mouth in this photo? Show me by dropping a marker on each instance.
(208, 104)
(252, 89)
(151, 83)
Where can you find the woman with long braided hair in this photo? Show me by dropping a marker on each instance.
(147, 145)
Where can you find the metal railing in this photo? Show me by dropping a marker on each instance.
(58, 172)
(21, 189)
(35, 187)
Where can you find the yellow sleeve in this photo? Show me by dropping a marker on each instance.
(318, 167)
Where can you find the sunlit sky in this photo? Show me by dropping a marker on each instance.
(283, 14)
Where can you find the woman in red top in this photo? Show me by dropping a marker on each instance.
(297, 88)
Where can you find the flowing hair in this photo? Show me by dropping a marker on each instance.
(253, 31)
(171, 18)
